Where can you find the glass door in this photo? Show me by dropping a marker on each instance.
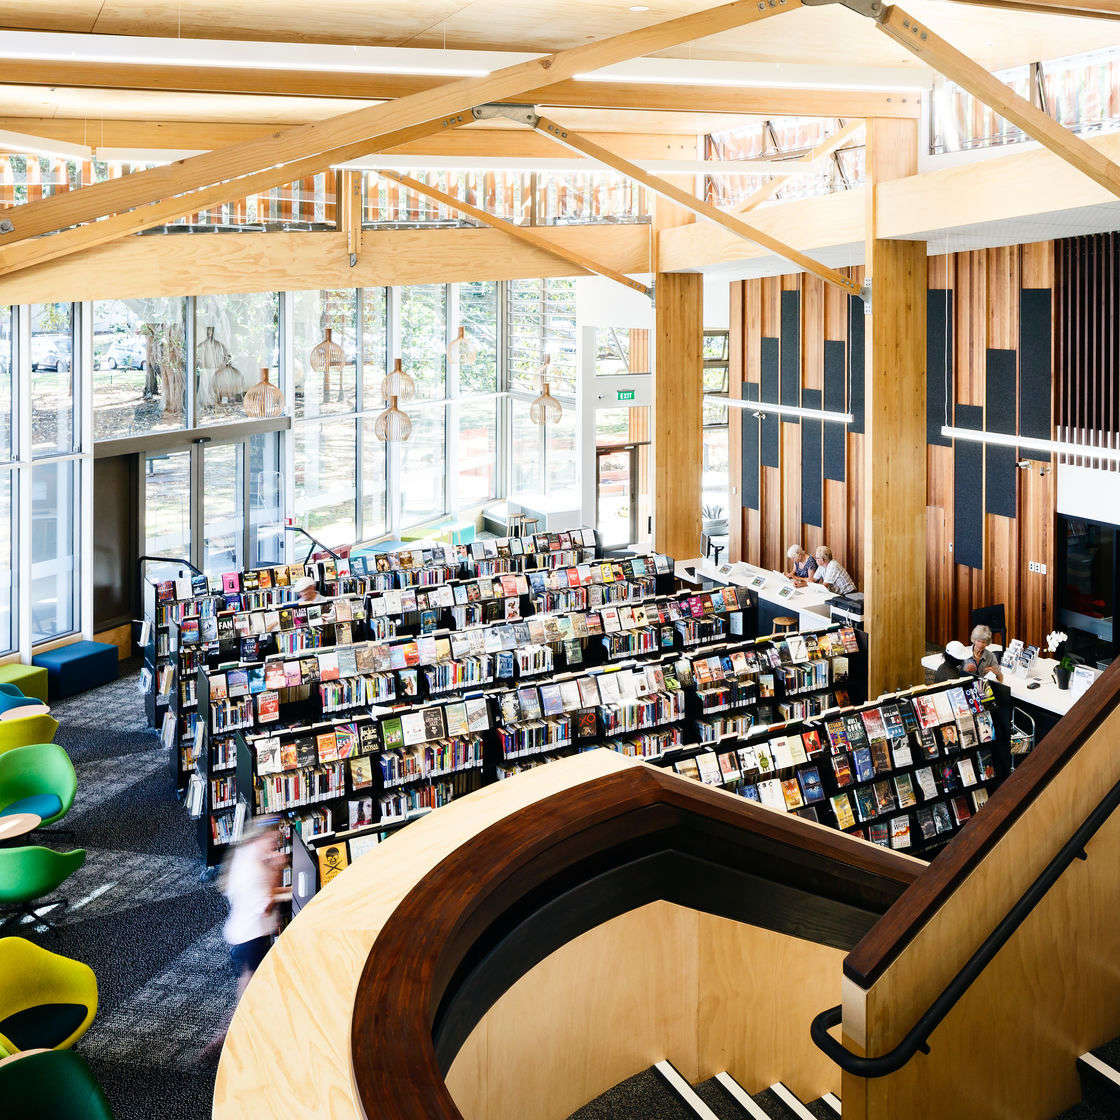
(223, 507)
(616, 495)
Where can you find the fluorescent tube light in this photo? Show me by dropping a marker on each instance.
(782, 409)
(1028, 443)
(26, 144)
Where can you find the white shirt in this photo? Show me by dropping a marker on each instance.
(836, 577)
(249, 890)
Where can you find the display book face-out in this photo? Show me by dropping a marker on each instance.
(904, 772)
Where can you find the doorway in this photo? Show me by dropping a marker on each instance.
(217, 503)
(616, 494)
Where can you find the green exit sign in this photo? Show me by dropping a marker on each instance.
(625, 394)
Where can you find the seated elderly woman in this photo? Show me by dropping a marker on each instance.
(980, 660)
(802, 564)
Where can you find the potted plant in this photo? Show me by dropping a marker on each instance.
(1055, 642)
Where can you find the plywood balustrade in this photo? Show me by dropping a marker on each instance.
(657, 982)
(994, 301)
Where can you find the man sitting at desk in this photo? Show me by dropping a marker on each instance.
(831, 573)
(803, 565)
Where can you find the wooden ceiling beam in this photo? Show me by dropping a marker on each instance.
(920, 40)
(1093, 9)
(449, 102)
(689, 201)
(472, 140)
(752, 100)
(525, 234)
(825, 148)
(39, 250)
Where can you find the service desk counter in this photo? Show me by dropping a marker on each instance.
(1045, 703)
(777, 597)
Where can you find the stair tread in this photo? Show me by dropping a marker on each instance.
(645, 1096)
(1109, 1053)
(720, 1101)
(773, 1105)
(821, 1109)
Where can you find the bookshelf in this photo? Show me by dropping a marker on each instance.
(906, 771)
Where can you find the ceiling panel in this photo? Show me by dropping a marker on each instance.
(823, 36)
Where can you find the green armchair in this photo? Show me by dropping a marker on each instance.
(27, 876)
(51, 1085)
(39, 779)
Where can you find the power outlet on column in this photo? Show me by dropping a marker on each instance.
(1037, 567)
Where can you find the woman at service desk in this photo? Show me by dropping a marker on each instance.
(980, 660)
(802, 564)
(831, 572)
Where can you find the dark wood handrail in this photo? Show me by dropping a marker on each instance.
(443, 934)
(898, 927)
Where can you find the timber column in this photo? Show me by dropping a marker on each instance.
(894, 576)
(678, 398)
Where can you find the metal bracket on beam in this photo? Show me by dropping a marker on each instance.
(872, 9)
(521, 114)
(6, 226)
(865, 295)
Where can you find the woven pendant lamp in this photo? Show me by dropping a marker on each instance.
(324, 357)
(398, 385)
(546, 409)
(392, 426)
(264, 398)
(462, 348)
(210, 353)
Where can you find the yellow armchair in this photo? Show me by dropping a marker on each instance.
(25, 730)
(46, 1000)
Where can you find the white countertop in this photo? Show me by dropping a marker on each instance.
(773, 587)
(1047, 695)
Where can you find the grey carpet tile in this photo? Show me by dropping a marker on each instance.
(168, 1020)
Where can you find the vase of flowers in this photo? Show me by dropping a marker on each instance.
(1055, 643)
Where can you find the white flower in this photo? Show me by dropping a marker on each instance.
(1054, 639)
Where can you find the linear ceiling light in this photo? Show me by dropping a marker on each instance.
(782, 409)
(233, 54)
(1028, 443)
(26, 144)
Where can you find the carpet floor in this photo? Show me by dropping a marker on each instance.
(140, 914)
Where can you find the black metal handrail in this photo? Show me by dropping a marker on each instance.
(168, 560)
(314, 541)
(917, 1038)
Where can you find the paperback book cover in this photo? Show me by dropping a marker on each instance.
(884, 795)
(880, 756)
(879, 833)
(866, 805)
(900, 832)
(942, 819)
(853, 726)
(811, 787)
(327, 746)
(927, 827)
(433, 724)
(392, 733)
(842, 770)
(861, 760)
(926, 783)
(268, 707)
(842, 807)
(361, 772)
(904, 788)
(791, 794)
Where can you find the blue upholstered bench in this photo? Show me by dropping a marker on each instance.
(78, 666)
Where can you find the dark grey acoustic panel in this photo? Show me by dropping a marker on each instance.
(770, 446)
(769, 366)
(968, 503)
(939, 364)
(750, 448)
(791, 348)
(835, 435)
(1035, 368)
(856, 326)
(1000, 412)
(811, 499)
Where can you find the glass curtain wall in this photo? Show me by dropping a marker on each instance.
(9, 478)
(541, 324)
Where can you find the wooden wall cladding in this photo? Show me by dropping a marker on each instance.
(988, 309)
(1088, 359)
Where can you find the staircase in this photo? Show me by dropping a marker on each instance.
(662, 1093)
(1099, 1071)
